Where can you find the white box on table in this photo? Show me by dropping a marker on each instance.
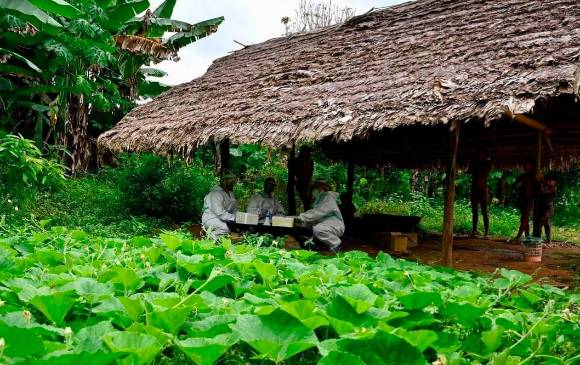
(246, 218)
(283, 221)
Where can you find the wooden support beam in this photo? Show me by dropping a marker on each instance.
(290, 187)
(447, 249)
(224, 156)
(527, 121)
(539, 156)
(350, 168)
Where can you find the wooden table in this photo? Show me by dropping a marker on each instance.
(301, 234)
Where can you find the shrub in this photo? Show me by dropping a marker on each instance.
(151, 186)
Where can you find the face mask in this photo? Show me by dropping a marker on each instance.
(316, 194)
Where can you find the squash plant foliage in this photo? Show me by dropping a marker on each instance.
(69, 298)
(70, 69)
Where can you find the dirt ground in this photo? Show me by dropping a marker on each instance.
(560, 265)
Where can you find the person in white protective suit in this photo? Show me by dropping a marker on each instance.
(325, 218)
(219, 207)
(265, 201)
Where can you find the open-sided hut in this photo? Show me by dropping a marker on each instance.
(421, 84)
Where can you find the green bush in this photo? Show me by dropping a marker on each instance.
(151, 186)
(22, 167)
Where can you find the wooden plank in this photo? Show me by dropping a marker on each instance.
(290, 187)
(447, 249)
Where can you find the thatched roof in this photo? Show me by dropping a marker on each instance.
(428, 62)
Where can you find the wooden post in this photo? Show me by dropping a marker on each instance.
(539, 156)
(350, 167)
(224, 153)
(290, 191)
(447, 250)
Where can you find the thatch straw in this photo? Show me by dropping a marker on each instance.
(424, 62)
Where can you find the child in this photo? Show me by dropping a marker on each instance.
(544, 209)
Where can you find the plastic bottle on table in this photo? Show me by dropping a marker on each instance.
(268, 218)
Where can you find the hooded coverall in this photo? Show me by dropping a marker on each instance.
(219, 206)
(262, 201)
(326, 219)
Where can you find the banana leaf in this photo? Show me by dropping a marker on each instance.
(165, 10)
(20, 58)
(31, 11)
(58, 7)
(198, 31)
(124, 12)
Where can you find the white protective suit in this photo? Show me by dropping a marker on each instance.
(326, 219)
(219, 206)
(262, 201)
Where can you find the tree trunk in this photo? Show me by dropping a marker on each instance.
(76, 139)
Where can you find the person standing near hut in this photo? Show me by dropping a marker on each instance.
(325, 218)
(219, 207)
(304, 169)
(525, 188)
(544, 207)
(265, 201)
(480, 168)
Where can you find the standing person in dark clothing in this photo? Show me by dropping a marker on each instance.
(303, 176)
(525, 186)
(480, 168)
(544, 207)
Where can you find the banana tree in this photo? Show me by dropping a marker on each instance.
(92, 55)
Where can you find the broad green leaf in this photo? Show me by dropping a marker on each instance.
(169, 320)
(19, 57)
(128, 278)
(133, 306)
(90, 339)
(467, 313)
(383, 348)
(211, 326)
(359, 296)
(198, 31)
(204, 350)
(165, 9)
(515, 276)
(25, 7)
(125, 11)
(58, 7)
(343, 317)
(267, 271)
(91, 289)
(82, 358)
(422, 339)
(54, 306)
(341, 357)
(305, 311)
(143, 347)
(420, 300)
(19, 342)
(173, 242)
(492, 338)
(79, 235)
(277, 336)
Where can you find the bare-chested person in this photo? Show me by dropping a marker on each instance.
(480, 168)
(544, 207)
(526, 186)
(304, 168)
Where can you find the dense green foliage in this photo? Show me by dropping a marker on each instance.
(126, 199)
(68, 297)
(70, 70)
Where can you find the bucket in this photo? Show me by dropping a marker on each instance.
(532, 249)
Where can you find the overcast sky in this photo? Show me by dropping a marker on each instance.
(246, 21)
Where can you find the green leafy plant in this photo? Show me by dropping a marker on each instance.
(67, 296)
